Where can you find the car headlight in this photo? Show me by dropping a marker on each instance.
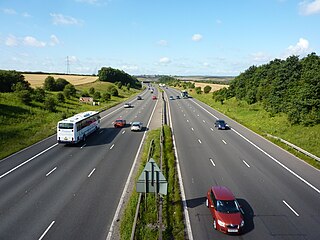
(222, 224)
(242, 223)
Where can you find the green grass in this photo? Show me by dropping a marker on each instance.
(257, 119)
(23, 125)
(172, 207)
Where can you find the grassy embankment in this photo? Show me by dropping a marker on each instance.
(23, 125)
(147, 226)
(257, 119)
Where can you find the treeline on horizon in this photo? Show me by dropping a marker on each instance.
(290, 86)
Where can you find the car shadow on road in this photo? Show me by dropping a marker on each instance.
(248, 215)
(195, 202)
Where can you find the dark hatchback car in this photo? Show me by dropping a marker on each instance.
(221, 124)
(225, 210)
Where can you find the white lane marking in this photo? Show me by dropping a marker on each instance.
(203, 121)
(91, 172)
(112, 146)
(290, 208)
(199, 141)
(187, 120)
(123, 131)
(101, 132)
(192, 129)
(211, 129)
(83, 145)
(45, 232)
(25, 162)
(224, 141)
(278, 162)
(267, 154)
(212, 162)
(51, 172)
(184, 115)
(121, 201)
(198, 115)
(246, 163)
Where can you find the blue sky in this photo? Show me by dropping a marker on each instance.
(171, 37)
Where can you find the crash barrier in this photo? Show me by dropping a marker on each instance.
(295, 147)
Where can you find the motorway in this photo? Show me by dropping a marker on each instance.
(279, 193)
(52, 191)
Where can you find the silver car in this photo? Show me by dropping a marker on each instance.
(136, 126)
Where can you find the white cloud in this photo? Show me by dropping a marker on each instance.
(59, 19)
(308, 7)
(9, 11)
(129, 67)
(54, 40)
(301, 48)
(33, 42)
(260, 57)
(196, 37)
(164, 60)
(11, 41)
(162, 43)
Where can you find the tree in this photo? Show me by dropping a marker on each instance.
(113, 91)
(24, 96)
(9, 78)
(69, 91)
(96, 95)
(91, 90)
(60, 83)
(106, 96)
(49, 84)
(198, 90)
(207, 89)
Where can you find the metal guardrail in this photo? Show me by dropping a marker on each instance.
(295, 147)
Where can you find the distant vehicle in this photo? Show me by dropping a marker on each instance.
(221, 124)
(139, 98)
(119, 123)
(136, 126)
(127, 105)
(184, 94)
(178, 97)
(171, 98)
(77, 127)
(154, 97)
(225, 210)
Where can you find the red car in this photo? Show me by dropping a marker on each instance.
(154, 97)
(225, 210)
(119, 123)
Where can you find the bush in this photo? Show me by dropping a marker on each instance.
(69, 91)
(60, 83)
(49, 83)
(60, 97)
(113, 91)
(39, 94)
(50, 104)
(106, 96)
(198, 90)
(24, 96)
(97, 95)
(92, 91)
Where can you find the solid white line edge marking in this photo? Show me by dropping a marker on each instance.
(246, 163)
(91, 172)
(51, 172)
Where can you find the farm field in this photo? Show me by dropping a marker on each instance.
(37, 80)
(214, 87)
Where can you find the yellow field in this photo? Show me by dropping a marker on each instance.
(37, 80)
(214, 87)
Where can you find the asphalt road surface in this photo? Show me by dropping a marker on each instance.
(279, 193)
(52, 191)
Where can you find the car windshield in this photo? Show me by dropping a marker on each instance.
(66, 125)
(221, 123)
(119, 121)
(227, 206)
(136, 124)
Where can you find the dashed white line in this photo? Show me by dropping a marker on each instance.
(199, 141)
(30, 159)
(187, 120)
(91, 172)
(101, 132)
(51, 172)
(123, 131)
(203, 121)
(83, 146)
(212, 162)
(211, 129)
(45, 232)
(290, 208)
(246, 163)
(224, 141)
(192, 129)
(112, 146)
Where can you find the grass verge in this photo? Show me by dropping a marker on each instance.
(147, 225)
